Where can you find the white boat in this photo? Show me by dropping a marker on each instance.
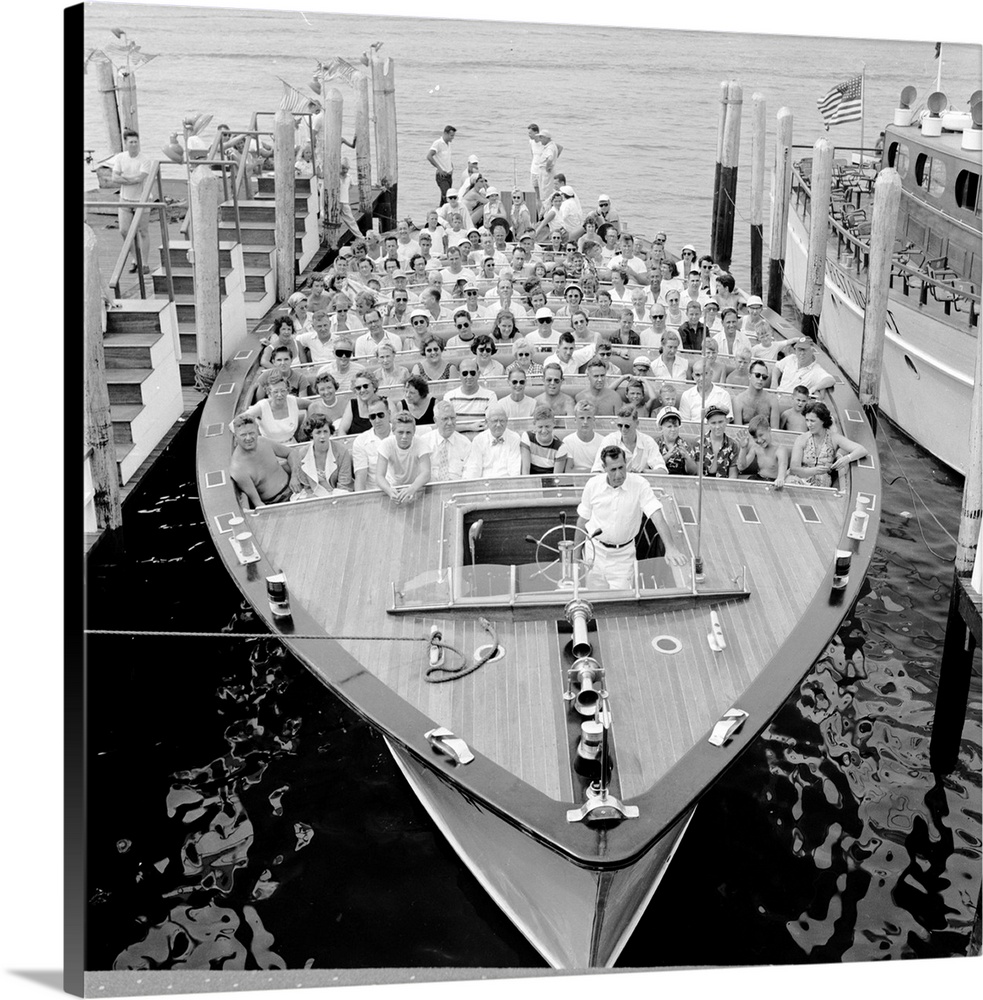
(934, 308)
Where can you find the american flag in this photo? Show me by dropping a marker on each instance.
(843, 103)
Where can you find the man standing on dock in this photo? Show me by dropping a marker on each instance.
(131, 168)
(439, 157)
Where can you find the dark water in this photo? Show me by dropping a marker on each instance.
(240, 817)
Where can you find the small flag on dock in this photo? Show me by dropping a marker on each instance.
(843, 103)
(293, 99)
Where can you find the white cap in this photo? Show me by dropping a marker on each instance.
(544, 312)
(640, 359)
(754, 300)
(451, 193)
(472, 158)
(688, 246)
(602, 197)
(491, 190)
(567, 190)
(459, 310)
(421, 312)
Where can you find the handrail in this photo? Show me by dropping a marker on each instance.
(861, 250)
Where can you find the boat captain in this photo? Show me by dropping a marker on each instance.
(610, 512)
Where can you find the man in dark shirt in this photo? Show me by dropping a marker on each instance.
(692, 331)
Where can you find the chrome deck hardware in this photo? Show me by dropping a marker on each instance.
(600, 805)
(726, 726)
(443, 740)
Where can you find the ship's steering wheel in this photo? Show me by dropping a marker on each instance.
(548, 544)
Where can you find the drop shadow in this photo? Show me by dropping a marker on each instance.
(53, 978)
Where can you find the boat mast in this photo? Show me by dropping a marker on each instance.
(697, 556)
(938, 72)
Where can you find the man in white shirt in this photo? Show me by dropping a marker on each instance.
(439, 157)
(495, 452)
(641, 451)
(449, 449)
(543, 337)
(452, 205)
(568, 356)
(131, 168)
(345, 199)
(454, 270)
(402, 466)
(406, 246)
(469, 399)
(536, 152)
(365, 346)
(611, 510)
(625, 258)
(801, 368)
(317, 342)
(581, 447)
(691, 404)
(652, 336)
(669, 364)
(365, 447)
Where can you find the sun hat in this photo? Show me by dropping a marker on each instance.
(641, 360)
(420, 312)
(544, 312)
(754, 300)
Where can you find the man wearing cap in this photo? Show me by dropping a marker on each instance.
(543, 337)
(801, 368)
(610, 511)
(604, 213)
(549, 154)
(365, 346)
(754, 321)
(691, 402)
(495, 452)
(472, 304)
(453, 204)
(439, 157)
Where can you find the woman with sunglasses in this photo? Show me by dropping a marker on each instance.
(355, 419)
(432, 367)
(519, 218)
(464, 326)
(278, 415)
(674, 314)
(522, 354)
(343, 320)
(484, 349)
(418, 400)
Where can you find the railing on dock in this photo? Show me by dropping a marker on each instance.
(917, 274)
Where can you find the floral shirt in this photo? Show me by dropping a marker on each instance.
(726, 457)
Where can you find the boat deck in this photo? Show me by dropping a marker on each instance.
(342, 570)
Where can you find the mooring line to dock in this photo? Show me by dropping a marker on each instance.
(255, 635)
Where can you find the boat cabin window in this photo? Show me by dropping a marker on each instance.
(968, 190)
(897, 157)
(930, 174)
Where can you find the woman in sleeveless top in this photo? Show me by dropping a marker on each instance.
(418, 402)
(278, 416)
(433, 367)
(355, 419)
(814, 452)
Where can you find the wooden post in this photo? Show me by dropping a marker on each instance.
(758, 112)
(98, 414)
(779, 209)
(126, 95)
(887, 199)
(822, 179)
(333, 103)
(363, 151)
(724, 85)
(110, 109)
(972, 509)
(722, 248)
(283, 169)
(204, 196)
(384, 95)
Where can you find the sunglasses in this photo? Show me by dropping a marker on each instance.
(658, 315)
(469, 371)
(552, 381)
(545, 319)
(419, 322)
(398, 299)
(518, 381)
(377, 415)
(706, 267)
(523, 354)
(624, 427)
(343, 354)
(463, 326)
(484, 350)
(364, 385)
(759, 374)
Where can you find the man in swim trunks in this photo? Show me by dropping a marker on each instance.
(754, 402)
(255, 468)
(757, 445)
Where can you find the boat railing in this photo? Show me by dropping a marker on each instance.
(151, 201)
(918, 275)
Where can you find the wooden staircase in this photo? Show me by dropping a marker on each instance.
(142, 351)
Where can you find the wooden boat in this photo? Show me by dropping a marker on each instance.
(571, 845)
(934, 309)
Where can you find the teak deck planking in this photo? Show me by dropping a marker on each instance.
(342, 556)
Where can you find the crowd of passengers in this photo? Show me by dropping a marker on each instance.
(377, 321)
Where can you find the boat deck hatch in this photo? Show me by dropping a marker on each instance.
(686, 514)
(748, 514)
(809, 513)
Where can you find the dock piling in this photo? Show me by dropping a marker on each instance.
(887, 200)
(126, 95)
(758, 123)
(822, 179)
(333, 106)
(363, 152)
(779, 209)
(204, 197)
(384, 97)
(722, 235)
(716, 166)
(110, 109)
(284, 187)
(98, 415)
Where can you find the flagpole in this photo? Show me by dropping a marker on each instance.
(938, 72)
(863, 94)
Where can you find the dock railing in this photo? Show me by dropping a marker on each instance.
(849, 225)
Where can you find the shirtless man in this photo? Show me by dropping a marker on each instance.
(553, 396)
(740, 374)
(756, 445)
(255, 469)
(606, 401)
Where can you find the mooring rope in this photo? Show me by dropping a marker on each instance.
(253, 635)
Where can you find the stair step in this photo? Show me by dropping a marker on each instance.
(249, 296)
(127, 350)
(130, 338)
(267, 184)
(124, 384)
(118, 321)
(187, 367)
(256, 282)
(122, 417)
(184, 283)
(122, 450)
